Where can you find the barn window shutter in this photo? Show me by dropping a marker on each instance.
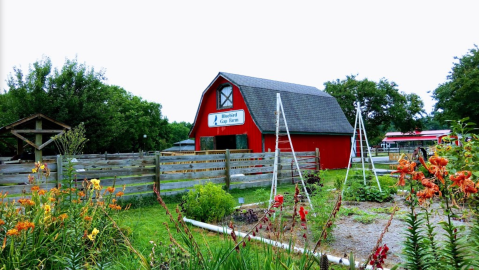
(242, 141)
(207, 143)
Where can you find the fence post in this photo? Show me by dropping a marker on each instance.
(106, 155)
(318, 166)
(59, 169)
(227, 170)
(157, 170)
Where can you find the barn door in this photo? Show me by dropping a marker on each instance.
(241, 141)
(207, 143)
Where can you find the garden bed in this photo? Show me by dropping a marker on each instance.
(357, 229)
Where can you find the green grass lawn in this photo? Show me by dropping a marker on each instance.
(145, 220)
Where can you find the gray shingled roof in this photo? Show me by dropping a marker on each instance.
(307, 109)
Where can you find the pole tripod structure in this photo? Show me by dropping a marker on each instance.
(359, 127)
(280, 111)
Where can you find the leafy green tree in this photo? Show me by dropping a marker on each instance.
(382, 105)
(458, 97)
(178, 131)
(114, 119)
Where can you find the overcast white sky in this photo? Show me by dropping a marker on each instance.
(169, 51)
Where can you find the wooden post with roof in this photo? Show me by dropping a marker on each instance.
(37, 125)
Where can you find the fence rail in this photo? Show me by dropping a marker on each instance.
(136, 173)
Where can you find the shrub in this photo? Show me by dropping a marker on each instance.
(207, 203)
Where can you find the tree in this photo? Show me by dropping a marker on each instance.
(458, 97)
(114, 119)
(382, 105)
(178, 132)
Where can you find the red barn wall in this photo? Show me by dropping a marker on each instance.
(334, 149)
(209, 106)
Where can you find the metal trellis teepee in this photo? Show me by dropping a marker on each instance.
(361, 132)
(280, 114)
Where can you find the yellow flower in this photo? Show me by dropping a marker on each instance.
(47, 208)
(93, 234)
(42, 167)
(34, 170)
(96, 184)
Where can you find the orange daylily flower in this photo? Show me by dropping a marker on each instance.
(463, 181)
(24, 225)
(405, 167)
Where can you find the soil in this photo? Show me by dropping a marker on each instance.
(350, 234)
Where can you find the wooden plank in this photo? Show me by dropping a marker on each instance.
(22, 178)
(298, 154)
(23, 168)
(253, 177)
(139, 188)
(192, 175)
(99, 164)
(248, 163)
(252, 155)
(166, 159)
(266, 169)
(45, 131)
(134, 171)
(188, 184)
(192, 166)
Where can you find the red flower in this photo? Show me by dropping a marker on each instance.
(302, 213)
(278, 200)
(379, 256)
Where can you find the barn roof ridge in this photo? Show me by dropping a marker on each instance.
(267, 84)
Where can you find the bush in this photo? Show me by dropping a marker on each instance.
(207, 203)
(355, 190)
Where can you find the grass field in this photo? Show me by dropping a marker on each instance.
(145, 221)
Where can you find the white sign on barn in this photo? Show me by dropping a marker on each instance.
(228, 118)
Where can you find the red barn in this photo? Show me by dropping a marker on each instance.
(238, 112)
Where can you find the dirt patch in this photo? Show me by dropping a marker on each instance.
(351, 233)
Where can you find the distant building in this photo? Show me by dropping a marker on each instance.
(238, 112)
(416, 138)
(183, 146)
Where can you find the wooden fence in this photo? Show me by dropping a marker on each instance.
(137, 172)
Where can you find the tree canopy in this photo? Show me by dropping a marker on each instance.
(115, 120)
(458, 97)
(382, 105)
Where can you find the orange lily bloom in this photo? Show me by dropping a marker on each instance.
(404, 167)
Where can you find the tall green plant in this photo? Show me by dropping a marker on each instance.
(71, 142)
